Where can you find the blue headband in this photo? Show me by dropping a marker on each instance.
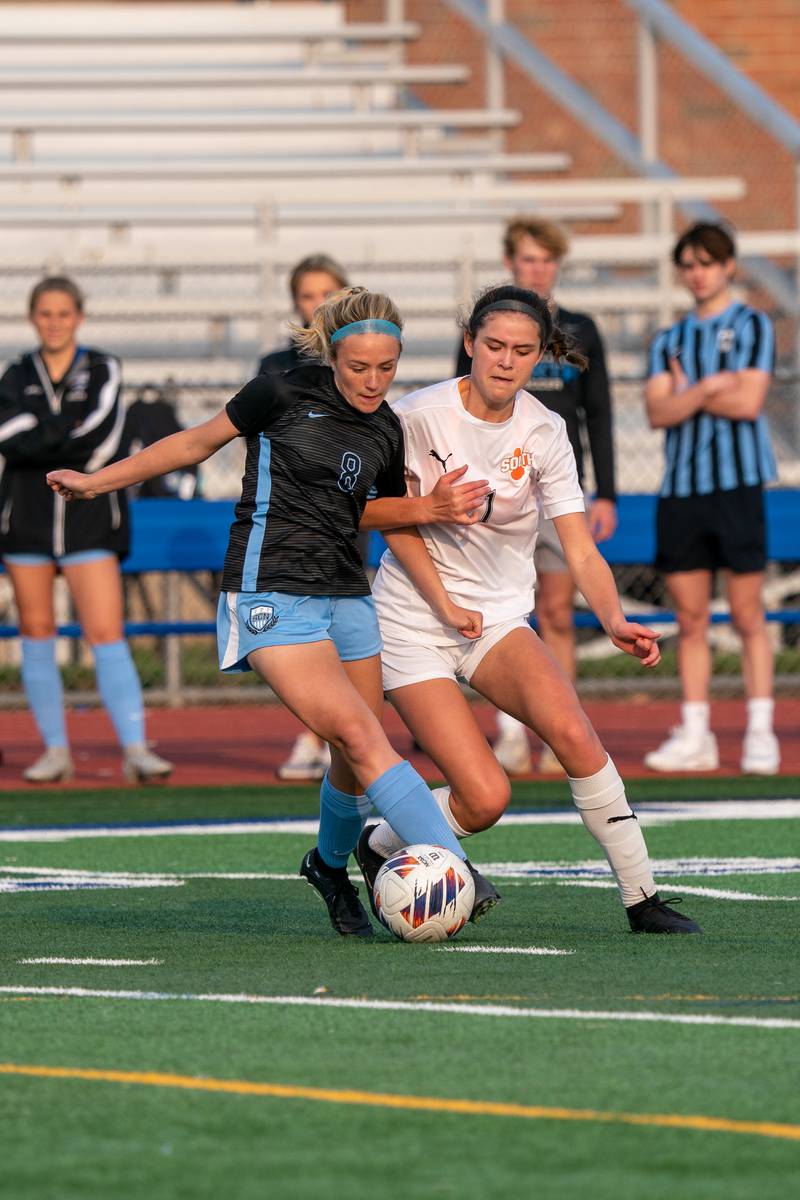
(372, 326)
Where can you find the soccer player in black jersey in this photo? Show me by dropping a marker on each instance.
(295, 604)
(61, 404)
(533, 251)
(311, 282)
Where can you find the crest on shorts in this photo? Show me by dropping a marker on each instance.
(261, 618)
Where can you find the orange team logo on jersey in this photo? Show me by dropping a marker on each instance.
(516, 463)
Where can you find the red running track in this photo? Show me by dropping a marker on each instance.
(236, 745)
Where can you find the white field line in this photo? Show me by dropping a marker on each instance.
(97, 962)
(172, 877)
(423, 1006)
(684, 867)
(45, 881)
(684, 888)
(530, 874)
(650, 813)
(69, 833)
(504, 950)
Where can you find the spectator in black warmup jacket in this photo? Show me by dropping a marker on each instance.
(61, 404)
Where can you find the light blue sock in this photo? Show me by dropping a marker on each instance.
(120, 691)
(402, 796)
(41, 679)
(341, 819)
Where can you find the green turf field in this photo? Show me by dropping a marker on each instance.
(239, 1047)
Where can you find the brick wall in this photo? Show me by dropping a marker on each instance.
(701, 132)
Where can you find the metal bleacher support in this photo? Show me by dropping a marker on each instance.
(456, 229)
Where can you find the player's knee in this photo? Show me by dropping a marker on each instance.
(354, 736)
(555, 618)
(485, 802)
(692, 622)
(748, 622)
(574, 738)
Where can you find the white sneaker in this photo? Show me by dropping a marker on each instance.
(512, 750)
(55, 764)
(684, 751)
(761, 754)
(309, 759)
(141, 765)
(548, 764)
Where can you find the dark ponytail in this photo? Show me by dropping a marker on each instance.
(509, 298)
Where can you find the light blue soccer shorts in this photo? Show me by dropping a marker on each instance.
(249, 620)
(66, 560)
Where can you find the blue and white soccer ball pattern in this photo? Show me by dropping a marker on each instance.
(424, 894)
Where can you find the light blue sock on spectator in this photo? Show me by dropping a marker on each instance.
(341, 819)
(41, 679)
(120, 691)
(402, 796)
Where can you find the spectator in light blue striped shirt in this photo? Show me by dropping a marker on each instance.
(708, 380)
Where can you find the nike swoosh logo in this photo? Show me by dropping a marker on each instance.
(317, 415)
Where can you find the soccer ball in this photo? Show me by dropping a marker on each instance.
(424, 894)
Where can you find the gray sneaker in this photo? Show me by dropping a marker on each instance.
(51, 767)
(140, 765)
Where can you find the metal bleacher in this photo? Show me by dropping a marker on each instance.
(178, 159)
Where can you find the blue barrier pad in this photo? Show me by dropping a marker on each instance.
(635, 539)
(192, 535)
(178, 535)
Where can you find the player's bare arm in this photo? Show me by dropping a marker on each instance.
(738, 395)
(669, 401)
(411, 552)
(448, 503)
(593, 578)
(184, 449)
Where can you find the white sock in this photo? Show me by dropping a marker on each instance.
(507, 724)
(605, 812)
(695, 716)
(384, 841)
(759, 714)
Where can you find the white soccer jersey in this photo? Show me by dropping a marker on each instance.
(488, 566)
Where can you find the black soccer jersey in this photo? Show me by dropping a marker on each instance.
(75, 422)
(582, 398)
(312, 463)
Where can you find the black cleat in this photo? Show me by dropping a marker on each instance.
(486, 894)
(653, 915)
(370, 863)
(347, 913)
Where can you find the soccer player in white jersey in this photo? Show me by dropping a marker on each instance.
(490, 422)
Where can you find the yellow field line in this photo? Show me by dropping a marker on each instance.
(491, 1108)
